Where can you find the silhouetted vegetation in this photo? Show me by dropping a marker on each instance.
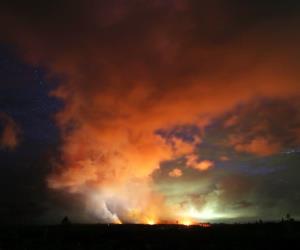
(260, 235)
(65, 221)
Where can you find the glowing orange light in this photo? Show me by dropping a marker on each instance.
(186, 222)
(116, 220)
(151, 221)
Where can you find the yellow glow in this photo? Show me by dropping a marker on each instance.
(186, 222)
(151, 222)
(116, 220)
(207, 213)
(192, 216)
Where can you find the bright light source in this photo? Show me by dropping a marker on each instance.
(186, 222)
(151, 222)
(207, 213)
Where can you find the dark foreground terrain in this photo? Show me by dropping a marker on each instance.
(220, 236)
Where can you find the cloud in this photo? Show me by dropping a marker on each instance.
(265, 127)
(133, 68)
(194, 162)
(9, 136)
(181, 147)
(231, 121)
(176, 172)
(259, 146)
(224, 158)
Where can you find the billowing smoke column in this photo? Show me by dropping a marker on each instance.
(132, 68)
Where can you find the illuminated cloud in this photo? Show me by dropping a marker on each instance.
(181, 147)
(133, 68)
(265, 128)
(259, 146)
(201, 165)
(9, 136)
(231, 121)
(176, 172)
(224, 158)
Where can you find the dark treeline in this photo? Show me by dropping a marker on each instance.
(258, 235)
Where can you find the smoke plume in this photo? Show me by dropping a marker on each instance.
(133, 68)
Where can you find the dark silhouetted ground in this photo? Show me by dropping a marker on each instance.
(220, 236)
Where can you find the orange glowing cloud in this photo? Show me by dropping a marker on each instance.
(181, 147)
(194, 162)
(232, 121)
(259, 146)
(9, 138)
(176, 172)
(133, 68)
(224, 158)
(266, 129)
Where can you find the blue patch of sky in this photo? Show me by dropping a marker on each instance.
(24, 96)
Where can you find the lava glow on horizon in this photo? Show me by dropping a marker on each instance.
(186, 217)
(151, 222)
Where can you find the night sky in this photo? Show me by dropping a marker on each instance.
(149, 111)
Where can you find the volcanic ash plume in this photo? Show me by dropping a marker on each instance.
(133, 68)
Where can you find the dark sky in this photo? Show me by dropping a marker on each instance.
(147, 111)
(25, 99)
